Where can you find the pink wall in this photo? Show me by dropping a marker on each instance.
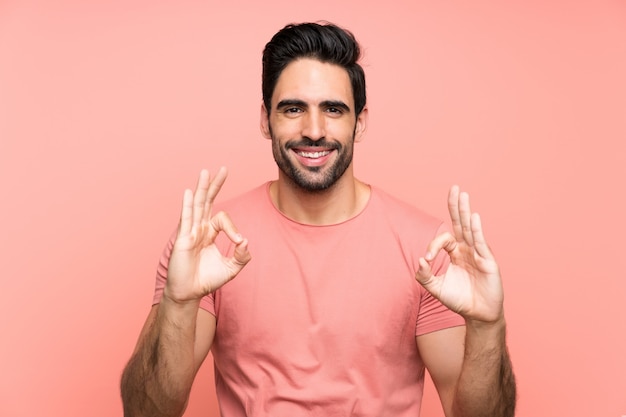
(109, 109)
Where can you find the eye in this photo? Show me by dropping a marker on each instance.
(334, 111)
(293, 110)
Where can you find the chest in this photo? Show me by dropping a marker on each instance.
(321, 293)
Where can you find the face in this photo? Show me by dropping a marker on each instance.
(312, 124)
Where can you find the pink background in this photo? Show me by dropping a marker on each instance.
(108, 110)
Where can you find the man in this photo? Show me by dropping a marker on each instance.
(349, 296)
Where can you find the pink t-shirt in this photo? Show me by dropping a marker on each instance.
(322, 321)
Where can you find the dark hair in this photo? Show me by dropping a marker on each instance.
(325, 42)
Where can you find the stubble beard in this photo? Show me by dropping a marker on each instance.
(302, 176)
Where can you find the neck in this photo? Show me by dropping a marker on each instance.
(342, 201)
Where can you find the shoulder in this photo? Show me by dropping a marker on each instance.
(254, 199)
(402, 214)
(251, 212)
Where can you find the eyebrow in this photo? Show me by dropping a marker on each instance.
(336, 103)
(290, 102)
(326, 103)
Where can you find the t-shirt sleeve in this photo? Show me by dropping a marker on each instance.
(207, 303)
(433, 315)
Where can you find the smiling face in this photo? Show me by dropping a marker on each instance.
(312, 124)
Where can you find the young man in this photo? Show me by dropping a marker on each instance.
(351, 293)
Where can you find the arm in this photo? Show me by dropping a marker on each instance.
(177, 335)
(150, 386)
(486, 385)
(470, 366)
(479, 384)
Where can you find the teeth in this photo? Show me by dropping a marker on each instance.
(313, 154)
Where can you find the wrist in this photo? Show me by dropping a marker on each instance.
(484, 337)
(178, 295)
(179, 303)
(482, 325)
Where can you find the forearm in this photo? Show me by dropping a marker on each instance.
(486, 385)
(158, 377)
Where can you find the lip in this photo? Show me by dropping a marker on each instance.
(313, 156)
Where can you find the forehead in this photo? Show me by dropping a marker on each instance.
(313, 82)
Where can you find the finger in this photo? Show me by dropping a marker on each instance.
(186, 213)
(215, 185)
(241, 256)
(443, 241)
(217, 182)
(466, 214)
(424, 273)
(480, 244)
(199, 198)
(221, 222)
(453, 208)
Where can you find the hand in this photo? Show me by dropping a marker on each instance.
(196, 266)
(472, 285)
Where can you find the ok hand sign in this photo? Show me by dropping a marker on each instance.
(196, 266)
(472, 285)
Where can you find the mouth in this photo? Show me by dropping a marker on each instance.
(313, 157)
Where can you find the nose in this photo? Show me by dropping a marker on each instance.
(314, 125)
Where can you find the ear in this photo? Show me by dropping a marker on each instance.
(361, 124)
(265, 122)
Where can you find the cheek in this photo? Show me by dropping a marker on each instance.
(342, 129)
(284, 128)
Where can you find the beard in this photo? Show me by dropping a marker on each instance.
(313, 179)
